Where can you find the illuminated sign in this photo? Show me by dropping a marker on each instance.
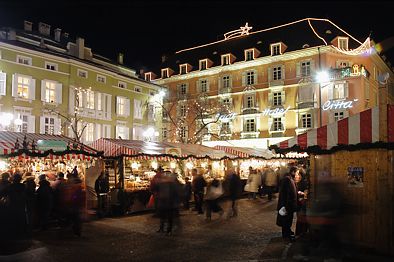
(338, 104)
(275, 112)
(355, 70)
(230, 116)
(243, 30)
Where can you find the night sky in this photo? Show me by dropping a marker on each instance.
(144, 30)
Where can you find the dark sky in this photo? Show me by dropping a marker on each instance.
(146, 29)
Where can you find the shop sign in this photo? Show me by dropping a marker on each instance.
(230, 116)
(175, 151)
(355, 70)
(275, 112)
(355, 176)
(55, 145)
(338, 104)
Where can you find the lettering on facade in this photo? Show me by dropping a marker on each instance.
(355, 70)
(230, 116)
(275, 112)
(338, 104)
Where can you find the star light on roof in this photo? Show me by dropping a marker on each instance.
(243, 30)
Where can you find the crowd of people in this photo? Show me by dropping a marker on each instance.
(27, 206)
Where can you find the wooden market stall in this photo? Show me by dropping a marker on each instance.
(359, 153)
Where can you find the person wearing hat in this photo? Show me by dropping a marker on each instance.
(44, 201)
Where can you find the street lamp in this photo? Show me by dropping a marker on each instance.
(321, 77)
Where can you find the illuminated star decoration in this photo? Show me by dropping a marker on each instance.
(245, 29)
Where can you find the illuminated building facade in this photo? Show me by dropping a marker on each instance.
(47, 81)
(266, 82)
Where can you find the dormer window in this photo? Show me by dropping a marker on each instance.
(343, 43)
(148, 76)
(275, 49)
(183, 69)
(249, 55)
(203, 64)
(225, 59)
(164, 73)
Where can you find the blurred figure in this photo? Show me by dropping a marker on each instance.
(4, 183)
(235, 188)
(287, 204)
(167, 200)
(302, 186)
(270, 179)
(198, 185)
(15, 226)
(253, 184)
(44, 201)
(101, 186)
(59, 180)
(153, 188)
(214, 191)
(30, 189)
(187, 193)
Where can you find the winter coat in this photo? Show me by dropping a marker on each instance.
(44, 196)
(234, 186)
(167, 196)
(214, 190)
(287, 194)
(254, 181)
(270, 177)
(198, 184)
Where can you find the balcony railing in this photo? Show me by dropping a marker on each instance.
(249, 134)
(224, 90)
(250, 110)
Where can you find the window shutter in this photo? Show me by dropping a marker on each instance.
(283, 69)
(15, 85)
(42, 125)
(269, 74)
(283, 97)
(312, 67)
(219, 83)
(282, 120)
(298, 69)
(345, 113)
(59, 93)
(71, 101)
(127, 131)
(231, 81)
(346, 90)
(330, 91)
(43, 95)
(270, 122)
(116, 105)
(58, 126)
(207, 85)
(270, 98)
(31, 124)
(198, 86)
(255, 77)
(84, 100)
(32, 89)
(127, 107)
(98, 134)
(117, 132)
(109, 106)
(3, 83)
(243, 78)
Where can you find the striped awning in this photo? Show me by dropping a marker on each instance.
(360, 128)
(246, 151)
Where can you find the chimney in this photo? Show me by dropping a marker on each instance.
(42, 43)
(28, 26)
(44, 29)
(80, 47)
(163, 58)
(58, 33)
(120, 58)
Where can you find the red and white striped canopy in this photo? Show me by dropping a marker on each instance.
(246, 152)
(360, 128)
(116, 147)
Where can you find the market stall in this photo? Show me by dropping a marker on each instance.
(358, 153)
(49, 154)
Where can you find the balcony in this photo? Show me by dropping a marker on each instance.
(280, 82)
(224, 90)
(182, 96)
(249, 135)
(250, 110)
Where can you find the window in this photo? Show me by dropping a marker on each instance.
(203, 64)
(89, 132)
(343, 43)
(24, 123)
(99, 101)
(339, 91)
(343, 64)
(306, 120)
(226, 82)
(151, 112)
(226, 101)
(121, 106)
(183, 69)
(164, 73)
(148, 76)
(182, 111)
(122, 84)
(275, 49)
(101, 79)
(51, 66)
(250, 102)
(27, 123)
(24, 60)
(225, 128)
(3, 83)
(82, 73)
(50, 92)
(90, 99)
(204, 86)
(164, 133)
(80, 98)
(49, 125)
(250, 125)
(277, 98)
(137, 109)
(250, 78)
(277, 73)
(138, 89)
(23, 86)
(183, 89)
(306, 68)
(338, 116)
(183, 132)
(249, 55)
(277, 124)
(225, 59)
(122, 131)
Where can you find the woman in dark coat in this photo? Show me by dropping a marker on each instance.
(302, 191)
(44, 201)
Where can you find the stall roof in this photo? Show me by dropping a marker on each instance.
(8, 139)
(362, 128)
(247, 152)
(116, 147)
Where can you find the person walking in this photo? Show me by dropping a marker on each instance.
(187, 193)
(253, 184)
(153, 188)
(101, 186)
(214, 191)
(30, 189)
(234, 187)
(287, 203)
(270, 179)
(44, 201)
(302, 186)
(198, 185)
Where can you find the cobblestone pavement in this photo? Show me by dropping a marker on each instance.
(134, 238)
